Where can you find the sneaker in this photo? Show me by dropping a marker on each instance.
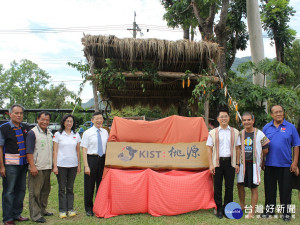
(62, 215)
(71, 213)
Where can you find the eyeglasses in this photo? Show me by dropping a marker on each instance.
(223, 117)
(277, 112)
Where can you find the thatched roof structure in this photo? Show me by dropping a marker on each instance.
(171, 58)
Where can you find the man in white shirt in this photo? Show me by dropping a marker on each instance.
(223, 156)
(93, 145)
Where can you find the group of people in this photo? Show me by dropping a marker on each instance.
(275, 149)
(40, 153)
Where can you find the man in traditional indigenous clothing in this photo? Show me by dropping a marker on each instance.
(223, 156)
(13, 165)
(254, 145)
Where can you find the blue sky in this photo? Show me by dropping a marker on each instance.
(63, 22)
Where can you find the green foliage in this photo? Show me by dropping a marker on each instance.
(179, 14)
(266, 67)
(235, 35)
(249, 95)
(238, 33)
(149, 73)
(55, 97)
(108, 76)
(149, 112)
(84, 70)
(22, 83)
(292, 59)
(275, 16)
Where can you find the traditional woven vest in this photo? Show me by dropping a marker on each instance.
(215, 154)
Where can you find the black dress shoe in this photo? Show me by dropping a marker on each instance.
(89, 213)
(219, 214)
(21, 218)
(40, 220)
(286, 218)
(48, 214)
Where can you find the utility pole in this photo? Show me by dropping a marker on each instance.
(135, 28)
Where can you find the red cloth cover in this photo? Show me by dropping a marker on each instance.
(147, 191)
(168, 130)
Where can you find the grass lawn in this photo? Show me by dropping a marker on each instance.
(196, 217)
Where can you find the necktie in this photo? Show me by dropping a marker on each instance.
(100, 150)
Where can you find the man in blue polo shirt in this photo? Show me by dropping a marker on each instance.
(279, 165)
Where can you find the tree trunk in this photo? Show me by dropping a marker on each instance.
(94, 83)
(280, 57)
(222, 36)
(95, 93)
(206, 111)
(256, 41)
(192, 33)
(183, 108)
(186, 34)
(255, 35)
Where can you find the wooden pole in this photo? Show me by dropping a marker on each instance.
(206, 111)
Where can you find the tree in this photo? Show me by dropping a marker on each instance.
(275, 94)
(292, 59)
(55, 97)
(22, 83)
(2, 80)
(275, 16)
(229, 32)
(180, 14)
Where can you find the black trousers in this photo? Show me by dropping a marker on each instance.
(65, 178)
(96, 164)
(228, 172)
(283, 177)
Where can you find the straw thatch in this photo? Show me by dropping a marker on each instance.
(171, 58)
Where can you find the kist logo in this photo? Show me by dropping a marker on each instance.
(127, 156)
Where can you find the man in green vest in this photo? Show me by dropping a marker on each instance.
(39, 155)
(223, 156)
